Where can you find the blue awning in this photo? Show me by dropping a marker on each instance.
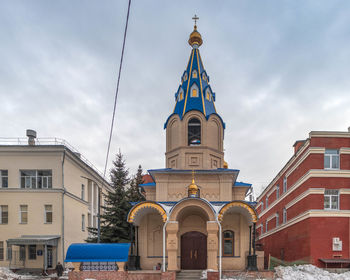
(98, 252)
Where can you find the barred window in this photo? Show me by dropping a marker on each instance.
(1, 250)
(32, 252)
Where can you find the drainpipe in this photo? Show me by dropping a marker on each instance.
(64, 191)
(220, 246)
(164, 243)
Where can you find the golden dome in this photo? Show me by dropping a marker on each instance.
(225, 165)
(193, 188)
(195, 38)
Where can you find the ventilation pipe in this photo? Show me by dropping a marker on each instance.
(31, 137)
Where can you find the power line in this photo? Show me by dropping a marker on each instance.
(117, 89)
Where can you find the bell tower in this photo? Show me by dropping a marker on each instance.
(194, 130)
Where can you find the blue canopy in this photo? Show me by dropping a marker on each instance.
(98, 252)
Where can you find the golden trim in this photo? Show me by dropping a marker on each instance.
(200, 82)
(146, 204)
(188, 83)
(238, 204)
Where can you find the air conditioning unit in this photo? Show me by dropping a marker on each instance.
(337, 244)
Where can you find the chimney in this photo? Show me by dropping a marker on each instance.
(349, 128)
(297, 145)
(31, 137)
(77, 154)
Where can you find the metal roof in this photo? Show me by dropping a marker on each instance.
(98, 252)
(34, 239)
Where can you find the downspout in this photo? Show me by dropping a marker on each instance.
(220, 246)
(63, 193)
(164, 243)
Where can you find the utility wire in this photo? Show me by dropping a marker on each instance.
(117, 89)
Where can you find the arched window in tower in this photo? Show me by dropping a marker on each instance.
(181, 95)
(194, 132)
(194, 74)
(228, 238)
(204, 77)
(194, 91)
(185, 77)
(207, 94)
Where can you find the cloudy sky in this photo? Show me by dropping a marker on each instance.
(279, 69)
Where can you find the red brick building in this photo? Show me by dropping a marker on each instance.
(304, 213)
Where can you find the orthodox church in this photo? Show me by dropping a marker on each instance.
(195, 215)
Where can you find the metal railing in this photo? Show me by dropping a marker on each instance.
(48, 141)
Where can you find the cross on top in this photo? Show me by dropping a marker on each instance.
(195, 18)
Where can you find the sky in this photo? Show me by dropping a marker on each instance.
(280, 69)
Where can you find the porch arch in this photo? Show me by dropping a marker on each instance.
(198, 205)
(241, 207)
(143, 208)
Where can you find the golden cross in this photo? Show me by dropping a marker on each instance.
(195, 18)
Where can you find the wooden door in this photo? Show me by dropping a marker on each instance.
(193, 250)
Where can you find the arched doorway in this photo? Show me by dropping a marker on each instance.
(193, 250)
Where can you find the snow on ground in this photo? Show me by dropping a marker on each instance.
(307, 272)
(7, 274)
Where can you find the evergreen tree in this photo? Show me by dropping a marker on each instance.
(134, 193)
(114, 225)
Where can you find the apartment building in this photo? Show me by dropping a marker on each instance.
(304, 213)
(49, 195)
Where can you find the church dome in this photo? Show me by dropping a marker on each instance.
(195, 38)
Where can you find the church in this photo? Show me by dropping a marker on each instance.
(195, 215)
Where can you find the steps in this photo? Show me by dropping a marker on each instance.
(189, 275)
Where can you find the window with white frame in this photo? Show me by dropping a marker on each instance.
(4, 179)
(48, 214)
(262, 228)
(82, 191)
(331, 159)
(266, 226)
(277, 191)
(285, 184)
(266, 202)
(331, 199)
(83, 222)
(23, 214)
(284, 215)
(4, 214)
(277, 219)
(36, 179)
(262, 206)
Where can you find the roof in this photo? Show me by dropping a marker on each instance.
(183, 100)
(242, 184)
(148, 185)
(147, 179)
(98, 252)
(34, 239)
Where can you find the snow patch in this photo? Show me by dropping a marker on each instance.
(308, 272)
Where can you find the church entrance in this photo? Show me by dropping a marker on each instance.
(193, 250)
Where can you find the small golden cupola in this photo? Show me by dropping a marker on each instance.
(193, 190)
(195, 39)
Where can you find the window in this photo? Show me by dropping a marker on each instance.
(22, 253)
(285, 184)
(228, 243)
(9, 253)
(331, 159)
(48, 214)
(277, 191)
(262, 206)
(277, 219)
(36, 179)
(82, 191)
(284, 215)
(185, 76)
(266, 226)
(4, 179)
(4, 214)
(194, 74)
(194, 91)
(83, 222)
(89, 219)
(32, 252)
(204, 77)
(207, 94)
(262, 228)
(266, 202)
(194, 132)
(23, 214)
(331, 199)
(1, 250)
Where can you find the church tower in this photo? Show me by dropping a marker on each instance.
(194, 130)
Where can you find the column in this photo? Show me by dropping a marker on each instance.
(212, 245)
(172, 245)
